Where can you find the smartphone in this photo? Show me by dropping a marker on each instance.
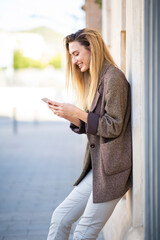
(45, 100)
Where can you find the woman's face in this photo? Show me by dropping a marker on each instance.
(80, 55)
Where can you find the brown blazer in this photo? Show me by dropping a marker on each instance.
(108, 129)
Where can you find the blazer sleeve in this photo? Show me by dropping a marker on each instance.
(81, 129)
(110, 124)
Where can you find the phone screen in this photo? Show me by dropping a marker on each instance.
(45, 100)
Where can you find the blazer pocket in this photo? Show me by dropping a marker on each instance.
(116, 156)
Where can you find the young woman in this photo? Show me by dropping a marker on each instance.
(104, 96)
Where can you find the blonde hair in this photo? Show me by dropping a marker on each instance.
(85, 83)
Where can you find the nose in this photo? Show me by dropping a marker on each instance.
(74, 59)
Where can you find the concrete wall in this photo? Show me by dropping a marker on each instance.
(123, 30)
(111, 10)
(135, 74)
(93, 15)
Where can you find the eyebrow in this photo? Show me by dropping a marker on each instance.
(73, 52)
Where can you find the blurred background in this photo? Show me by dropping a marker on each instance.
(32, 57)
(40, 158)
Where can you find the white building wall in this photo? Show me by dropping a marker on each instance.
(111, 28)
(127, 221)
(135, 74)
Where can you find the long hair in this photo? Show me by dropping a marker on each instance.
(85, 83)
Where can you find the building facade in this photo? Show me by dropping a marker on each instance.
(131, 30)
(93, 15)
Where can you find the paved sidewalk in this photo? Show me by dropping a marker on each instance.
(38, 167)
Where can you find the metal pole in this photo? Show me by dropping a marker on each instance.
(15, 120)
(152, 116)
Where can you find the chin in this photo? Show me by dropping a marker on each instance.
(84, 69)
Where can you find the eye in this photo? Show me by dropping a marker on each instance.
(76, 54)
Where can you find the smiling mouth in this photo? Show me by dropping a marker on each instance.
(80, 65)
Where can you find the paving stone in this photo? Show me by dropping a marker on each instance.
(37, 232)
(38, 167)
(16, 233)
(38, 237)
(15, 238)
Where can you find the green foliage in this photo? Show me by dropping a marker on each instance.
(99, 2)
(56, 61)
(20, 61)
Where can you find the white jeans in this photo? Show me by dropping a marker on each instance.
(79, 203)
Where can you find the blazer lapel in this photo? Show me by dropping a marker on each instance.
(95, 100)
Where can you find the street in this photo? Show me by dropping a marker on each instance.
(39, 162)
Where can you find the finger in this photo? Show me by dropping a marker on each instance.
(53, 107)
(53, 103)
(55, 111)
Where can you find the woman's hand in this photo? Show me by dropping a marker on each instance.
(63, 110)
(68, 111)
